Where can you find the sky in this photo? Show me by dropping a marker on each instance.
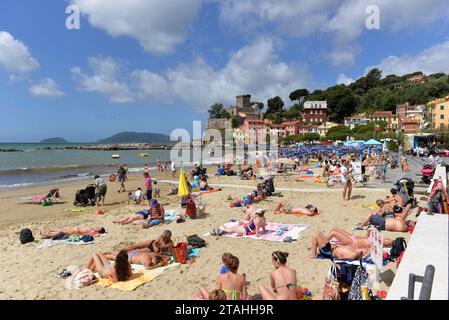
(158, 65)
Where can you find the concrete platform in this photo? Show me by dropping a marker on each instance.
(428, 245)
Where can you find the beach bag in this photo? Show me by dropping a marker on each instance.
(195, 241)
(84, 278)
(398, 246)
(360, 282)
(180, 251)
(26, 236)
(331, 289)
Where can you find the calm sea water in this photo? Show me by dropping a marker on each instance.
(37, 166)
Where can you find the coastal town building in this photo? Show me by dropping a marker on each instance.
(245, 108)
(323, 128)
(357, 120)
(388, 116)
(418, 79)
(291, 127)
(439, 113)
(315, 111)
(411, 118)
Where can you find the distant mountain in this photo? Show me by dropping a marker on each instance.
(136, 137)
(55, 140)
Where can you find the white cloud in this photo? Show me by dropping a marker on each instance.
(158, 25)
(342, 21)
(344, 79)
(432, 60)
(105, 79)
(254, 69)
(15, 56)
(46, 88)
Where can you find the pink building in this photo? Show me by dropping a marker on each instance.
(291, 127)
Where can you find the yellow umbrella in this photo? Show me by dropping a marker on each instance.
(183, 188)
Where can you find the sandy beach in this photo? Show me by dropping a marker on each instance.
(28, 272)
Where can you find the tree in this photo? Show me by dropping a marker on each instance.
(299, 95)
(338, 133)
(260, 105)
(275, 105)
(236, 122)
(217, 111)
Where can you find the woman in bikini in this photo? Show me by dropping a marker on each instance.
(149, 260)
(252, 227)
(356, 242)
(118, 271)
(321, 246)
(283, 279)
(232, 283)
(284, 207)
(162, 246)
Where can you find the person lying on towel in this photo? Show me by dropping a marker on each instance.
(284, 207)
(162, 245)
(120, 270)
(388, 221)
(149, 260)
(94, 232)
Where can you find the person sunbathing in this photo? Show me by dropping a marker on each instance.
(155, 217)
(395, 199)
(232, 283)
(94, 232)
(284, 207)
(248, 212)
(139, 216)
(396, 224)
(356, 242)
(162, 245)
(283, 279)
(149, 260)
(252, 227)
(119, 271)
(321, 246)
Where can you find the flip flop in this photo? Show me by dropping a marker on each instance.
(287, 239)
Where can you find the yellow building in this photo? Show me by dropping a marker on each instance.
(439, 113)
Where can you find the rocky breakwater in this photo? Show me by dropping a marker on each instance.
(122, 146)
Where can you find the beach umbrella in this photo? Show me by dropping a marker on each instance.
(183, 188)
(372, 142)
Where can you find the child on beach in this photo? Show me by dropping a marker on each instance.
(148, 187)
(157, 191)
(136, 197)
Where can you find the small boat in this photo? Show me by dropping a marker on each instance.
(143, 154)
(115, 156)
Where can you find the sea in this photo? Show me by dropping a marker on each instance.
(39, 165)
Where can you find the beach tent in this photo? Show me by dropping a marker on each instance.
(372, 142)
(183, 188)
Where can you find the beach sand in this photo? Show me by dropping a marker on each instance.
(27, 272)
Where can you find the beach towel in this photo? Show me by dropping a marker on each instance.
(140, 276)
(171, 215)
(51, 243)
(200, 193)
(273, 232)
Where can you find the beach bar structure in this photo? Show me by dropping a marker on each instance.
(427, 254)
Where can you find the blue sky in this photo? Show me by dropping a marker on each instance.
(157, 65)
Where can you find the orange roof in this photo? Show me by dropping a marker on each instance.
(290, 123)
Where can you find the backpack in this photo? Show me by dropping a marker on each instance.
(26, 236)
(195, 241)
(397, 247)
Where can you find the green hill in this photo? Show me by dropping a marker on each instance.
(137, 137)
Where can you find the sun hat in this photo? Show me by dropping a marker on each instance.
(153, 202)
